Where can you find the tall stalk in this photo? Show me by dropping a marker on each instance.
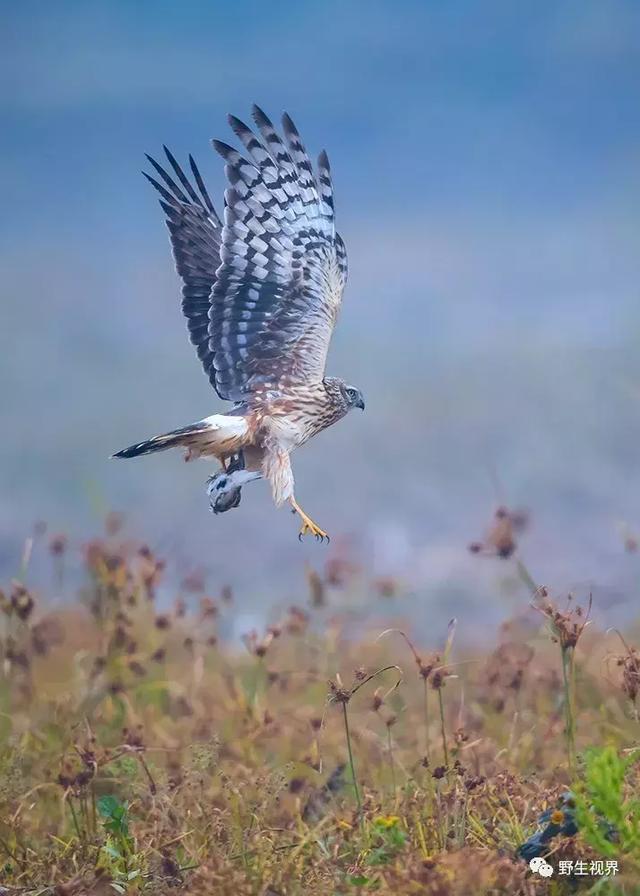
(443, 729)
(566, 628)
(340, 694)
(425, 684)
(568, 682)
(345, 716)
(391, 761)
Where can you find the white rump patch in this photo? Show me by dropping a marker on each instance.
(233, 426)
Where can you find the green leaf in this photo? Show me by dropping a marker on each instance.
(112, 851)
(108, 806)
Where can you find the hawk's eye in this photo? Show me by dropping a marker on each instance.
(352, 394)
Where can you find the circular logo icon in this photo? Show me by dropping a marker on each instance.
(539, 866)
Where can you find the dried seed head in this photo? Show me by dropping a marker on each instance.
(194, 581)
(296, 785)
(566, 625)
(337, 691)
(113, 522)
(506, 666)
(426, 668)
(386, 586)
(296, 621)
(339, 570)
(46, 634)
(474, 781)
(258, 646)
(629, 662)
(438, 678)
(21, 601)
(500, 540)
(316, 588)
(208, 608)
(58, 544)
(460, 736)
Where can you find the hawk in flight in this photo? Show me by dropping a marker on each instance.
(261, 293)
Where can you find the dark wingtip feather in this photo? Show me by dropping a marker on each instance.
(182, 177)
(166, 195)
(236, 124)
(233, 121)
(167, 179)
(287, 122)
(222, 148)
(258, 113)
(203, 190)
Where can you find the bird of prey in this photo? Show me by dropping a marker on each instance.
(261, 293)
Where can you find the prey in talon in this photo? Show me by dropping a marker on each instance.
(224, 488)
(261, 295)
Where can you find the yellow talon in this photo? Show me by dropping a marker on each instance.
(308, 526)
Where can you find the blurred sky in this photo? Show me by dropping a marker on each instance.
(486, 160)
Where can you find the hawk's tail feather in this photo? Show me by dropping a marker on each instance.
(173, 439)
(220, 435)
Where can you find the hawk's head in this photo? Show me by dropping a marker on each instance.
(344, 396)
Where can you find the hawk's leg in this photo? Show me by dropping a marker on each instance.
(276, 467)
(308, 525)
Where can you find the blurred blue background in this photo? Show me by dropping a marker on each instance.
(486, 159)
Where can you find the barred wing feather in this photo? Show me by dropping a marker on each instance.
(283, 268)
(196, 234)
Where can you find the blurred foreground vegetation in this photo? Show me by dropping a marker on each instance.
(140, 753)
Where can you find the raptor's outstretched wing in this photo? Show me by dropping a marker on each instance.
(278, 289)
(196, 235)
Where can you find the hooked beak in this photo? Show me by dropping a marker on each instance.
(360, 403)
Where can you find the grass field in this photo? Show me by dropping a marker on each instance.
(141, 753)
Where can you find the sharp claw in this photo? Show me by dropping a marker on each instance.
(308, 527)
(320, 537)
